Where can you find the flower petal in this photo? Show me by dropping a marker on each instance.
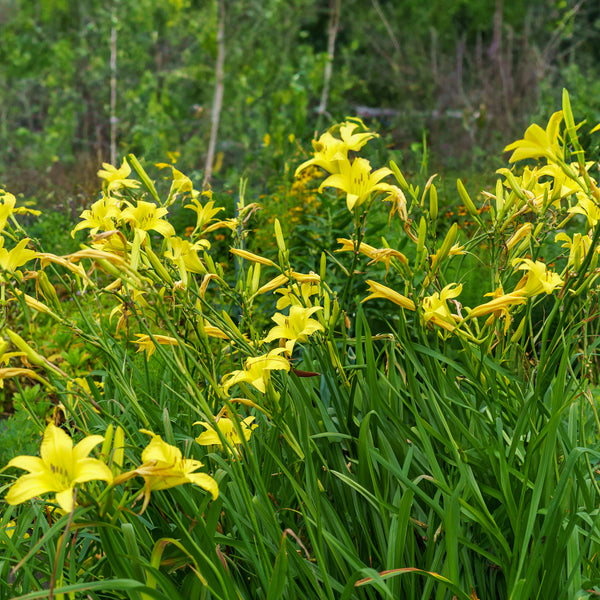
(57, 446)
(33, 464)
(88, 469)
(29, 486)
(65, 499)
(206, 482)
(85, 446)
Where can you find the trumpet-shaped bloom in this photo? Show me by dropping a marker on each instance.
(145, 342)
(538, 279)
(115, 179)
(226, 427)
(578, 247)
(7, 207)
(164, 467)
(205, 212)
(299, 295)
(11, 260)
(436, 310)
(328, 151)
(296, 327)
(59, 468)
(102, 215)
(355, 141)
(498, 307)
(146, 216)
(357, 180)
(185, 256)
(376, 255)
(587, 207)
(257, 370)
(537, 142)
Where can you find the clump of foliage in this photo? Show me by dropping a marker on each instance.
(406, 417)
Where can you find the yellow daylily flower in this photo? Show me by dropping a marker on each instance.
(226, 427)
(296, 327)
(59, 468)
(185, 255)
(436, 310)
(145, 342)
(180, 185)
(297, 295)
(382, 291)
(102, 215)
(357, 180)
(396, 196)
(164, 467)
(11, 260)
(205, 213)
(538, 279)
(355, 141)
(538, 143)
(587, 207)
(146, 216)
(115, 179)
(498, 307)
(384, 255)
(328, 150)
(578, 247)
(257, 370)
(7, 207)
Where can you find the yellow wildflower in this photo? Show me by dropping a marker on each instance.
(538, 279)
(357, 180)
(145, 342)
(538, 143)
(102, 215)
(436, 310)
(257, 370)
(296, 327)
(11, 260)
(59, 469)
(227, 429)
(146, 216)
(115, 179)
(164, 467)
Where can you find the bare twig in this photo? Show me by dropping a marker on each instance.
(113, 85)
(388, 28)
(334, 23)
(218, 98)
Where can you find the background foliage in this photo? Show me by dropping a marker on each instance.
(467, 76)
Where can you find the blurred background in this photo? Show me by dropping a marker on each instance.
(452, 81)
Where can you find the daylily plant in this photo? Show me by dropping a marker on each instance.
(59, 468)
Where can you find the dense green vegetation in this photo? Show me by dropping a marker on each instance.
(77, 77)
(236, 364)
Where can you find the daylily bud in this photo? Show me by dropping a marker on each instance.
(468, 202)
(48, 291)
(398, 175)
(433, 203)
(279, 236)
(32, 356)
